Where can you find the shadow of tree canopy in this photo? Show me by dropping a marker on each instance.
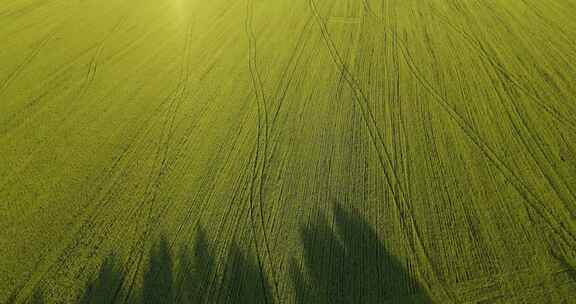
(347, 264)
(350, 265)
(185, 279)
(106, 285)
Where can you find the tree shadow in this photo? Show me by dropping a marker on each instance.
(104, 288)
(344, 264)
(195, 271)
(349, 264)
(159, 276)
(37, 298)
(188, 277)
(244, 284)
(198, 280)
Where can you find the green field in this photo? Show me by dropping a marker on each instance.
(307, 151)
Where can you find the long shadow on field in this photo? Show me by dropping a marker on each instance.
(107, 283)
(348, 264)
(37, 298)
(187, 276)
(343, 264)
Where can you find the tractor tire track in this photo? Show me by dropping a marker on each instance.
(62, 72)
(27, 61)
(93, 66)
(492, 59)
(94, 210)
(400, 198)
(57, 78)
(504, 78)
(536, 204)
(152, 190)
(260, 157)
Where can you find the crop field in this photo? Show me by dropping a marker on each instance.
(288, 151)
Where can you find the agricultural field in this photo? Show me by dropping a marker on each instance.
(288, 151)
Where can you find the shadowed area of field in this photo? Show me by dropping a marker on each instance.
(350, 265)
(173, 275)
(313, 151)
(344, 265)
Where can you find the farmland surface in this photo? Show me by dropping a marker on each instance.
(288, 151)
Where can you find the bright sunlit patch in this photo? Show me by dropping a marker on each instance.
(181, 9)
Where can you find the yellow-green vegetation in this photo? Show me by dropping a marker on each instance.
(288, 151)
